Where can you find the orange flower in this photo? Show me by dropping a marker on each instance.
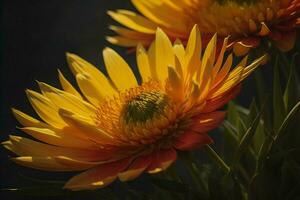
(247, 23)
(117, 128)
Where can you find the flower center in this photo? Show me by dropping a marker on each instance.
(145, 106)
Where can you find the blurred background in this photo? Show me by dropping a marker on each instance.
(35, 36)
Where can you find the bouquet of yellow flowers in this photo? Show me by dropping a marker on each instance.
(171, 125)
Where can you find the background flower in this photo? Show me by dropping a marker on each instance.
(247, 22)
(119, 128)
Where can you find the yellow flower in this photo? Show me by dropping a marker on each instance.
(118, 128)
(246, 23)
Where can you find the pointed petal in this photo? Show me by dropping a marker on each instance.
(224, 71)
(213, 104)
(207, 63)
(161, 160)
(66, 85)
(152, 61)
(97, 177)
(27, 120)
(80, 66)
(26, 147)
(44, 163)
(133, 21)
(256, 63)
(45, 109)
(193, 52)
(137, 167)
(66, 100)
(71, 162)
(220, 57)
(161, 14)
(125, 42)
(232, 80)
(179, 51)
(206, 122)
(86, 126)
(191, 141)
(118, 70)
(90, 89)
(143, 63)
(164, 55)
(58, 138)
(175, 87)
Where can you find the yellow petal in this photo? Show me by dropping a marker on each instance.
(232, 80)
(9, 146)
(205, 78)
(174, 79)
(66, 100)
(97, 177)
(27, 120)
(122, 41)
(224, 70)
(56, 137)
(86, 126)
(73, 162)
(249, 69)
(118, 70)
(45, 163)
(79, 65)
(152, 60)
(131, 34)
(133, 21)
(136, 168)
(143, 63)
(161, 14)
(91, 89)
(66, 85)
(45, 109)
(179, 51)
(26, 147)
(220, 57)
(193, 52)
(164, 55)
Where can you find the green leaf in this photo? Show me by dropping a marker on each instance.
(292, 90)
(262, 97)
(247, 138)
(233, 116)
(231, 141)
(259, 136)
(231, 130)
(288, 120)
(253, 110)
(271, 141)
(278, 103)
(264, 150)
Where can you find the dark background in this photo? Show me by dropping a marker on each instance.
(34, 38)
(35, 34)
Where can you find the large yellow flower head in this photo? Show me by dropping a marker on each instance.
(118, 128)
(247, 22)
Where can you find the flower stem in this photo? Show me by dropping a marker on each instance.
(217, 159)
